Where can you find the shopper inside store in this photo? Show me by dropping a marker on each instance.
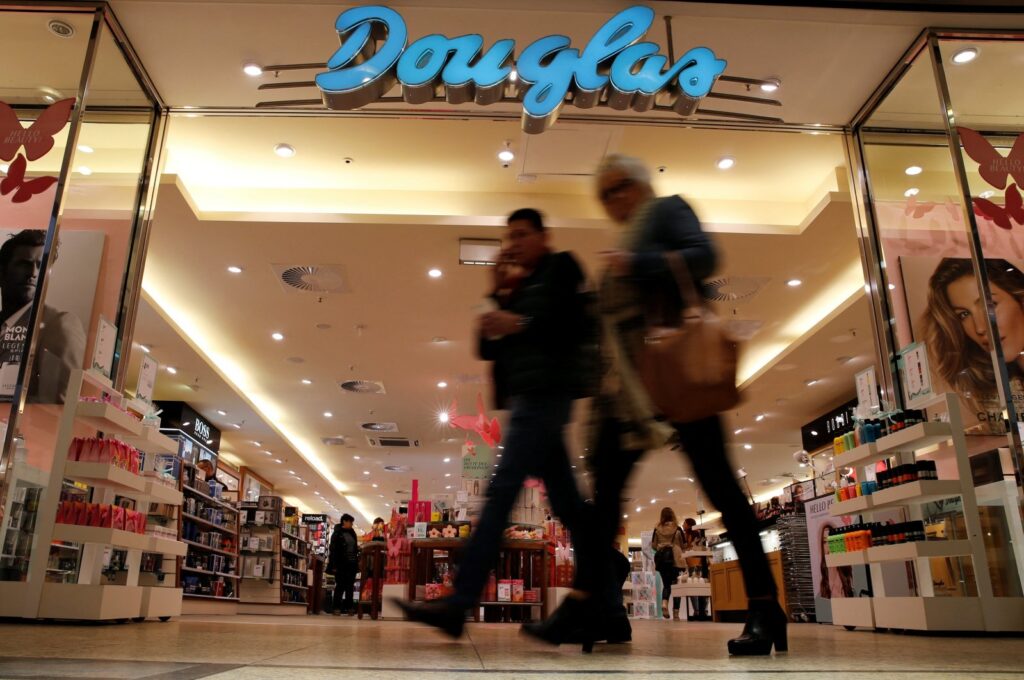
(584, 339)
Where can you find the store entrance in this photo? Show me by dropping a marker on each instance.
(317, 281)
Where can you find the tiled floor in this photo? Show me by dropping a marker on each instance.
(322, 648)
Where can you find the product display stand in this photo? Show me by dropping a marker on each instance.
(209, 527)
(928, 610)
(96, 593)
(274, 567)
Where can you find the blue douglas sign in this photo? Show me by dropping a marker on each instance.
(615, 68)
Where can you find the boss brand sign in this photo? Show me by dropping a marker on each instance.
(615, 68)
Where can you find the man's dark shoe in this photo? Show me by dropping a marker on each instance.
(441, 614)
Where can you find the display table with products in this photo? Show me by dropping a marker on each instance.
(517, 591)
(945, 555)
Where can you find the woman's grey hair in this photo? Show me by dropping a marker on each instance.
(634, 168)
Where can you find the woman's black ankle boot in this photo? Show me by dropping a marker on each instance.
(766, 627)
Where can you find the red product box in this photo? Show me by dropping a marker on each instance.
(135, 464)
(93, 515)
(117, 518)
(106, 512)
(75, 449)
(66, 512)
(517, 590)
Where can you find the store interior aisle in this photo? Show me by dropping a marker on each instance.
(255, 647)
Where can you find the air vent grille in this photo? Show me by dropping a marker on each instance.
(397, 468)
(334, 441)
(734, 288)
(392, 442)
(363, 386)
(312, 278)
(378, 427)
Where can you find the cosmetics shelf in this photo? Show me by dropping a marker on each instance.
(106, 474)
(159, 492)
(913, 438)
(921, 491)
(127, 540)
(165, 546)
(107, 418)
(847, 559)
(151, 440)
(929, 613)
(917, 549)
(80, 601)
(853, 506)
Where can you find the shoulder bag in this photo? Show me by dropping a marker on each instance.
(689, 371)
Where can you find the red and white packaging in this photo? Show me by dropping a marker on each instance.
(117, 517)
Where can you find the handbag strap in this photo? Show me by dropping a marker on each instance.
(681, 273)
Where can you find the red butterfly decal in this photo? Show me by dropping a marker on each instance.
(37, 138)
(992, 165)
(15, 181)
(917, 210)
(489, 431)
(1001, 215)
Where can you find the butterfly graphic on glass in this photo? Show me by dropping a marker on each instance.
(23, 189)
(37, 138)
(997, 169)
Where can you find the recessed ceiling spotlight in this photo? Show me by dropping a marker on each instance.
(447, 460)
(966, 55)
(366, 472)
(914, 170)
(317, 493)
(252, 69)
(725, 163)
(811, 382)
(671, 490)
(760, 417)
(291, 472)
(513, 76)
(172, 370)
(237, 426)
(356, 458)
(986, 194)
(442, 384)
(639, 509)
(625, 517)
(435, 273)
(447, 474)
(375, 485)
(234, 269)
(84, 170)
(49, 98)
(278, 461)
(277, 336)
(257, 444)
(506, 155)
(653, 501)
(284, 150)
(305, 484)
(307, 381)
(221, 413)
(747, 446)
(328, 414)
(448, 487)
(85, 148)
(814, 433)
(268, 453)
(442, 417)
(912, 191)
(145, 348)
(794, 283)
(438, 339)
(771, 85)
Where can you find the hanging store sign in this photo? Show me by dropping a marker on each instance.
(614, 68)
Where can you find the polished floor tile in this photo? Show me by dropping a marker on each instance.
(320, 647)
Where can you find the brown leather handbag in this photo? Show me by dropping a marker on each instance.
(689, 370)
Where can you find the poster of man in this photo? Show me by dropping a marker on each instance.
(66, 310)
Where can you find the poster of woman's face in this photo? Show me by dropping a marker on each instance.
(947, 312)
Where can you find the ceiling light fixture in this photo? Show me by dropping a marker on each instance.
(307, 381)
(639, 509)
(513, 76)
(278, 461)
(760, 417)
(986, 194)
(912, 191)
(748, 446)
(965, 56)
(442, 417)
(771, 85)
(442, 384)
(737, 430)
(277, 336)
(725, 162)
(356, 458)
(145, 348)
(221, 413)
(235, 270)
(447, 460)
(172, 370)
(506, 155)
(84, 170)
(814, 433)
(291, 472)
(252, 69)
(328, 414)
(447, 474)
(257, 444)
(914, 170)
(811, 382)
(284, 150)
(435, 273)
(85, 148)
(793, 283)
(366, 472)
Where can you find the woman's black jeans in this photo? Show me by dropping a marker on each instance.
(703, 442)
